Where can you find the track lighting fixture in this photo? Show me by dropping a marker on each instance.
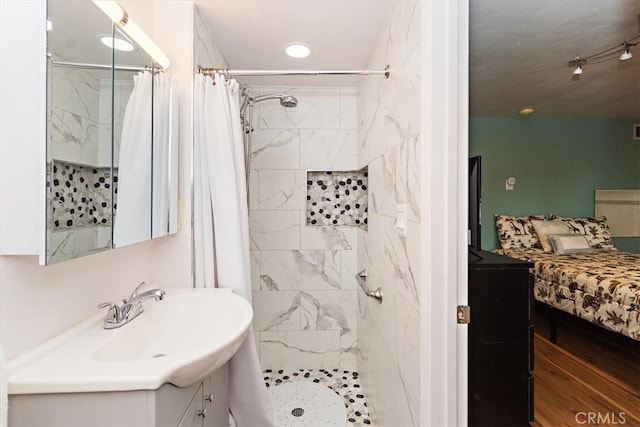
(624, 49)
(626, 54)
(578, 69)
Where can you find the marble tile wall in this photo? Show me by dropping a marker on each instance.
(66, 244)
(80, 120)
(389, 143)
(308, 309)
(80, 142)
(303, 278)
(75, 115)
(304, 288)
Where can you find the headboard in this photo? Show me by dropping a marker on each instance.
(622, 209)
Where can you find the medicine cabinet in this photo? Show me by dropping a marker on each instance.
(111, 144)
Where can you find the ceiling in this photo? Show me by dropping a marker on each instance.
(519, 50)
(74, 37)
(252, 34)
(519, 53)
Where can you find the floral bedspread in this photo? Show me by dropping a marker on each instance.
(602, 287)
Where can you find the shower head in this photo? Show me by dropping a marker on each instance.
(287, 101)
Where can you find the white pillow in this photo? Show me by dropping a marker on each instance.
(569, 244)
(545, 228)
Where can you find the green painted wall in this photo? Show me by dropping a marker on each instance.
(557, 163)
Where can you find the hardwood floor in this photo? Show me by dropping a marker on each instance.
(589, 378)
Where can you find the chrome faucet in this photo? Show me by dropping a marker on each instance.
(131, 307)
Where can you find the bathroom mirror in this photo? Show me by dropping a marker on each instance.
(111, 137)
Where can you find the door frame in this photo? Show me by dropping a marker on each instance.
(444, 130)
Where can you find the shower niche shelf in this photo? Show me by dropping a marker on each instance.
(337, 198)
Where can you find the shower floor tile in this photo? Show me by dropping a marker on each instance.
(345, 383)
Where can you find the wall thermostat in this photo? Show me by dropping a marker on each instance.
(509, 183)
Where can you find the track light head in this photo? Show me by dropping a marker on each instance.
(578, 69)
(626, 54)
(605, 55)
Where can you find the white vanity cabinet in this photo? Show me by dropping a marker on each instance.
(205, 403)
(210, 404)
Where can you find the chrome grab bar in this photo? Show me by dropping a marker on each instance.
(362, 280)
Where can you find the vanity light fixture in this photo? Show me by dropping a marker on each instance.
(120, 17)
(116, 43)
(625, 47)
(298, 50)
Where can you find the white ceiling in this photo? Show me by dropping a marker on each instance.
(74, 36)
(75, 27)
(519, 49)
(252, 34)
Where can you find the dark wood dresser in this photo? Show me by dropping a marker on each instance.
(500, 340)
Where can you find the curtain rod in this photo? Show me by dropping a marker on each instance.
(228, 72)
(102, 66)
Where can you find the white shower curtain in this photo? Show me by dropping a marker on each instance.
(132, 221)
(221, 230)
(145, 182)
(165, 130)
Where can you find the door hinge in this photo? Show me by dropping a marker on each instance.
(464, 314)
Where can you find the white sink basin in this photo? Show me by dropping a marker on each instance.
(178, 340)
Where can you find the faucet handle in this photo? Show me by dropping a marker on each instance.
(114, 310)
(135, 291)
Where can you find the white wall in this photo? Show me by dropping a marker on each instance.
(38, 302)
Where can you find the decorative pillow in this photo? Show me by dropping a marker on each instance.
(517, 232)
(595, 230)
(569, 243)
(545, 228)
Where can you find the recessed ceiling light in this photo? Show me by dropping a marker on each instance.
(298, 50)
(527, 111)
(116, 43)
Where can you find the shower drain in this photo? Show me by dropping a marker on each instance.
(298, 412)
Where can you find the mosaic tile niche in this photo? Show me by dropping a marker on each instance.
(337, 198)
(81, 195)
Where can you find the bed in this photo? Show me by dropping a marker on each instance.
(597, 283)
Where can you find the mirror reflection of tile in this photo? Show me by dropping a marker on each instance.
(81, 195)
(337, 198)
